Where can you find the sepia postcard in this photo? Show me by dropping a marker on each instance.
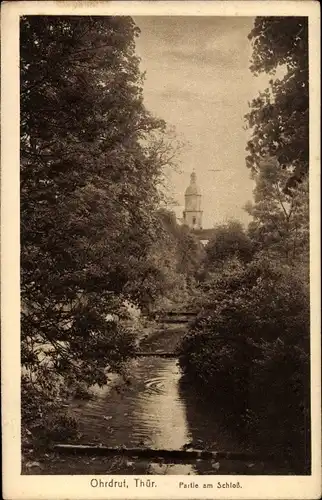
(160, 211)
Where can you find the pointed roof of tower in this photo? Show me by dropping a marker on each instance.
(193, 189)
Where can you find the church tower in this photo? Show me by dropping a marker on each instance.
(192, 215)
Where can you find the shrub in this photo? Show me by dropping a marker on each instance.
(44, 418)
(281, 402)
(228, 241)
(249, 348)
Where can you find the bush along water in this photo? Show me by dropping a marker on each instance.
(45, 420)
(248, 350)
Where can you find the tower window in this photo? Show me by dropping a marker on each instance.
(193, 220)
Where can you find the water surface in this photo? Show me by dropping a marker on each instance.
(153, 410)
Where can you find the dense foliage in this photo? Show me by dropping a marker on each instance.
(279, 147)
(93, 235)
(279, 116)
(227, 242)
(249, 349)
(189, 251)
(168, 276)
(92, 159)
(280, 219)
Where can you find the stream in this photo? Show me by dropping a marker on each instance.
(153, 408)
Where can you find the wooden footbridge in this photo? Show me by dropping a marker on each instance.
(186, 317)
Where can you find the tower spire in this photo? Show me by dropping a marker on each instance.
(192, 214)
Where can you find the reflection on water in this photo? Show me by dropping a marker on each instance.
(207, 422)
(147, 412)
(153, 410)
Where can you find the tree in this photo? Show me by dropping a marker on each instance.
(90, 174)
(279, 147)
(280, 223)
(248, 346)
(228, 241)
(189, 250)
(168, 272)
(279, 116)
(250, 343)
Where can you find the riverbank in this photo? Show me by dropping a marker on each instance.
(150, 408)
(152, 336)
(51, 463)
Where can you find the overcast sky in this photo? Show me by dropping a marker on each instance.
(198, 80)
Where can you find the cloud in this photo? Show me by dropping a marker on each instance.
(204, 98)
(222, 57)
(198, 80)
(213, 41)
